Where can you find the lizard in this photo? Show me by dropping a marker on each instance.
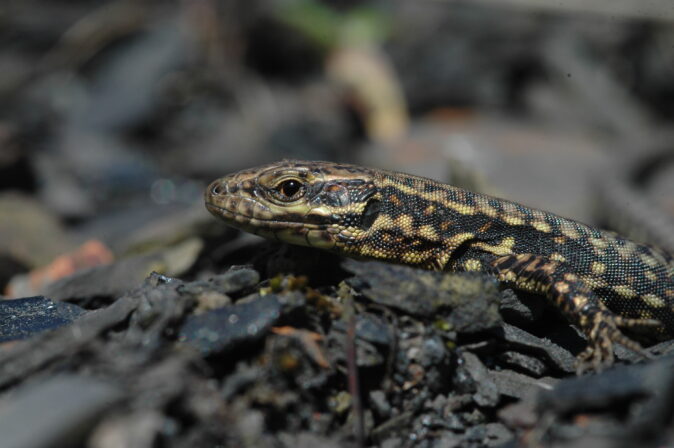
(600, 281)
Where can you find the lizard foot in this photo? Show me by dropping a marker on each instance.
(602, 333)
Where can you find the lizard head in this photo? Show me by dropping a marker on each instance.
(319, 204)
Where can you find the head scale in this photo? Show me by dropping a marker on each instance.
(318, 204)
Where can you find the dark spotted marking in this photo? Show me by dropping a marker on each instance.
(370, 214)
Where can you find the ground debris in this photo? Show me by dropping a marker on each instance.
(268, 359)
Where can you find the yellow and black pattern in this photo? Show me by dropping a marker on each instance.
(599, 280)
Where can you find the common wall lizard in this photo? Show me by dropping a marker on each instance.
(599, 280)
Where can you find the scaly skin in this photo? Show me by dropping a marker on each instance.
(598, 280)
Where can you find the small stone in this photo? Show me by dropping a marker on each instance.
(380, 404)
(561, 358)
(486, 392)
(528, 364)
(224, 328)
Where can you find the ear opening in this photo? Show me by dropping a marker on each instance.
(370, 213)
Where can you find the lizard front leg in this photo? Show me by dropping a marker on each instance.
(577, 302)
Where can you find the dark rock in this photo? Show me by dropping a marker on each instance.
(520, 309)
(369, 328)
(631, 404)
(434, 421)
(662, 348)
(103, 281)
(225, 328)
(161, 308)
(217, 291)
(117, 278)
(235, 279)
(612, 390)
(392, 443)
(380, 404)
(373, 329)
(33, 353)
(474, 418)
(526, 363)
(22, 318)
(516, 385)
(476, 434)
(160, 384)
(454, 423)
(448, 440)
(521, 414)
(392, 426)
(57, 412)
(562, 359)
(486, 393)
(30, 234)
(137, 429)
(433, 352)
(456, 402)
(625, 354)
(498, 434)
(435, 359)
(306, 440)
(655, 415)
(367, 355)
(242, 377)
(465, 302)
(438, 403)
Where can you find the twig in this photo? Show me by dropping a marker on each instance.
(352, 365)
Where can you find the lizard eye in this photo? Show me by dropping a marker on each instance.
(290, 189)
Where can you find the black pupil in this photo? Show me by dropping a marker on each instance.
(290, 187)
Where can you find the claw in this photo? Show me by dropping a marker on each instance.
(595, 358)
(603, 334)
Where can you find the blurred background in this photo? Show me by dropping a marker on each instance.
(115, 114)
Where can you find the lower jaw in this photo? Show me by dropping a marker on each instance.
(288, 232)
(317, 238)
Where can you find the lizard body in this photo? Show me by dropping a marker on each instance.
(599, 280)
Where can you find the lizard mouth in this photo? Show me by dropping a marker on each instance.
(308, 234)
(249, 221)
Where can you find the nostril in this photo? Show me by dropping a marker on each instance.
(218, 188)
